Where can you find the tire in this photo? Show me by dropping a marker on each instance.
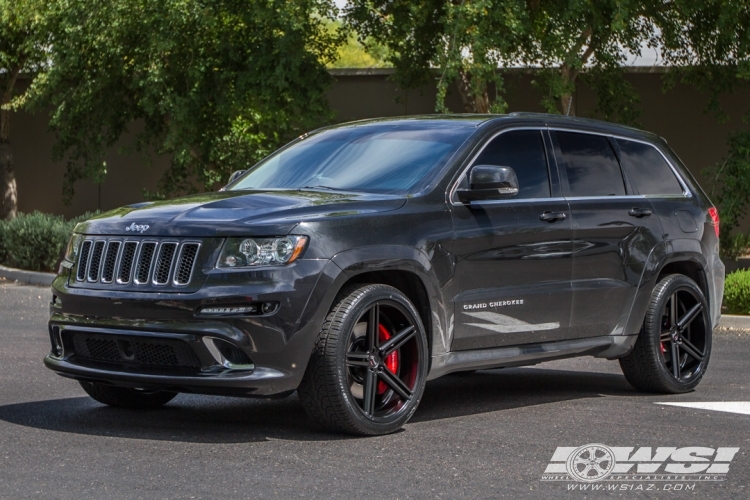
(677, 326)
(123, 397)
(366, 376)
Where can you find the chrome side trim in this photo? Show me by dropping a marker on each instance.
(624, 197)
(524, 200)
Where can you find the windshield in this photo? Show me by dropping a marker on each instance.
(387, 158)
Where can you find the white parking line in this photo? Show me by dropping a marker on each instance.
(742, 407)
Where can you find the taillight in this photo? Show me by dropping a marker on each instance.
(714, 214)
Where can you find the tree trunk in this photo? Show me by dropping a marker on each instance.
(8, 193)
(472, 103)
(568, 105)
(567, 99)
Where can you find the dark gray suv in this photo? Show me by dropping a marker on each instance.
(362, 260)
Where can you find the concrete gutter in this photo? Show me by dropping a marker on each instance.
(27, 277)
(734, 322)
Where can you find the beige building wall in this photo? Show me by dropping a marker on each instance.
(677, 115)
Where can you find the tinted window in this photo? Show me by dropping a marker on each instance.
(376, 158)
(591, 165)
(523, 151)
(647, 169)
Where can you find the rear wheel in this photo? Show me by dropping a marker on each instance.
(368, 369)
(124, 397)
(673, 348)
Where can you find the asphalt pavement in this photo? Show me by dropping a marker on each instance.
(490, 434)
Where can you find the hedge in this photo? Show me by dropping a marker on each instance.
(737, 292)
(36, 241)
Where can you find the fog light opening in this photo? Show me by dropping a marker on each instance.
(228, 355)
(269, 307)
(56, 339)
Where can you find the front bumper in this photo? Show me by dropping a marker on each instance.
(160, 340)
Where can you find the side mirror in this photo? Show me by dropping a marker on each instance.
(235, 175)
(489, 182)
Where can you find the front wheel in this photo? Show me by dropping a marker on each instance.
(673, 348)
(368, 369)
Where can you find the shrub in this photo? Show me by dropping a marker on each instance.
(737, 292)
(36, 241)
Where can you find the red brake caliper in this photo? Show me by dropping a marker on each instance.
(391, 361)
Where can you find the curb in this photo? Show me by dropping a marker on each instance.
(734, 322)
(27, 277)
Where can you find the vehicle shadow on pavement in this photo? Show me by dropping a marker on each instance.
(463, 394)
(205, 419)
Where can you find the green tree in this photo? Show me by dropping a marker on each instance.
(215, 84)
(587, 39)
(21, 50)
(463, 41)
(467, 41)
(357, 54)
(711, 52)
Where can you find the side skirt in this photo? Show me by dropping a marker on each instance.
(610, 347)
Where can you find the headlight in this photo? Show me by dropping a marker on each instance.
(71, 252)
(251, 252)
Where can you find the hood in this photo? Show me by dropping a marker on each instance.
(227, 213)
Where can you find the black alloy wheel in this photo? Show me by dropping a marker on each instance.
(368, 370)
(673, 349)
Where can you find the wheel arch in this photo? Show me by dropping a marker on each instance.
(410, 271)
(688, 261)
(408, 283)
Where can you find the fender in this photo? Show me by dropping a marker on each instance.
(404, 258)
(666, 252)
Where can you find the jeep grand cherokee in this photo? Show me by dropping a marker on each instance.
(362, 260)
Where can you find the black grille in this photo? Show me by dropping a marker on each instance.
(142, 263)
(110, 259)
(164, 263)
(131, 350)
(185, 263)
(126, 263)
(232, 353)
(143, 266)
(96, 260)
(85, 251)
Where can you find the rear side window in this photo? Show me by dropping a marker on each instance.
(523, 151)
(647, 169)
(591, 165)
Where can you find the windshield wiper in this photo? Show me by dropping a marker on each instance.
(317, 187)
(329, 188)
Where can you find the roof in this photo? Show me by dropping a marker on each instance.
(480, 120)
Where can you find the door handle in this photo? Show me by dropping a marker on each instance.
(639, 212)
(549, 216)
